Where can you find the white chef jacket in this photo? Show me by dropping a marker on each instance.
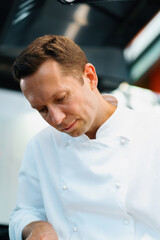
(106, 188)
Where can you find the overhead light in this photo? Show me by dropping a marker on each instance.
(80, 19)
(21, 17)
(143, 39)
(87, 1)
(24, 10)
(140, 67)
(81, 14)
(69, 1)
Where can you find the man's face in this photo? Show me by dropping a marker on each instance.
(63, 101)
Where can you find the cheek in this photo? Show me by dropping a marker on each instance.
(72, 109)
(47, 118)
(80, 108)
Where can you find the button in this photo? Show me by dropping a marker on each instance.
(123, 140)
(117, 185)
(64, 188)
(126, 221)
(75, 229)
(66, 144)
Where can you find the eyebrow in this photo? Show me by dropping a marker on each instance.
(53, 96)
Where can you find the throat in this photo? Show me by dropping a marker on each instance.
(103, 116)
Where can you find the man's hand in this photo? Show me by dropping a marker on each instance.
(39, 230)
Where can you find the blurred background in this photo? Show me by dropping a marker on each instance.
(120, 38)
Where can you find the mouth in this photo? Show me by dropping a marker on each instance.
(70, 126)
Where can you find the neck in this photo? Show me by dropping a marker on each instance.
(104, 112)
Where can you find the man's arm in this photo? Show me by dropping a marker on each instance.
(29, 206)
(39, 230)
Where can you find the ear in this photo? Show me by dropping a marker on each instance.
(90, 74)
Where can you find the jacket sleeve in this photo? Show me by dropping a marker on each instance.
(29, 206)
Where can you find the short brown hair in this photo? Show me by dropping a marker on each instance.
(59, 48)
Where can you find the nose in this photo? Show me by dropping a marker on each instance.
(57, 115)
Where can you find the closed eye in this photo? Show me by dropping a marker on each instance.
(61, 99)
(43, 110)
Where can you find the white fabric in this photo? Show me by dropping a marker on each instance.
(137, 98)
(107, 188)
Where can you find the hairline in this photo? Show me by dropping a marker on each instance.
(62, 67)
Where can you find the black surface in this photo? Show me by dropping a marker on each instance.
(4, 232)
(109, 24)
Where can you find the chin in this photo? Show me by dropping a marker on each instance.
(76, 133)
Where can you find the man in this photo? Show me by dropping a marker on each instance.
(94, 173)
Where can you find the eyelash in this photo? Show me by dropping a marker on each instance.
(61, 99)
(43, 110)
(58, 100)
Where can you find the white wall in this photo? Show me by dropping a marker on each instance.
(18, 123)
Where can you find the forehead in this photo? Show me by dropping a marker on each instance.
(49, 68)
(48, 80)
(48, 73)
(52, 72)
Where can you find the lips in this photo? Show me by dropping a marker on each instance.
(70, 126)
